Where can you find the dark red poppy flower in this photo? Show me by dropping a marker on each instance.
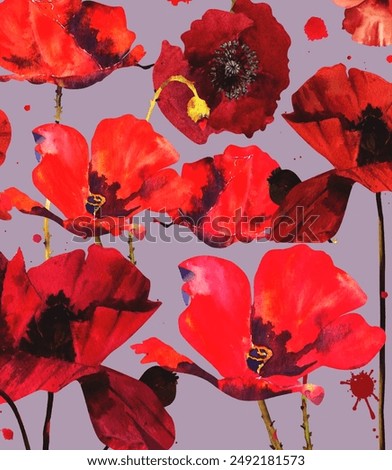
(297, 323)
(176, 2)
(60, 320)
(126, 175)
(70, 43)
(238, 63)
(368, 21)
(228, 196)
(346, 117)
(5, 135)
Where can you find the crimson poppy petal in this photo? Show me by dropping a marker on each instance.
(22, 374)
(175, 96)
(62, 173)
(126, 151)
(313, 211)
(348, 342)
(5, 135)
(125, 413)
(369, 22)
(69, 43)
(210, 324)
(116, 300)
(376, 177)
(229, 196)
(286, 307)
(348, 3)
(257, 388)
(13, 198)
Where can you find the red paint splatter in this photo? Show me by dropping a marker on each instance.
(362, 387)
(27, 107)
(384, 294)
(8, 434)
(389, 59)
(315, 29)
(349, 57)
(374, 430)
(37, 238)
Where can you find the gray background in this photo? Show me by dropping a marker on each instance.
(205, 418)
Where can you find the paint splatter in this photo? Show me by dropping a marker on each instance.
(27, 107)
(315, 29)
(8, 434)
(37, 238)
(384, 294)
(389, 59)
(349, 57)
(362, 387)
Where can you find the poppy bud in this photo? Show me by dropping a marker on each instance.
(162, 382)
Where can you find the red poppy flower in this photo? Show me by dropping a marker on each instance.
(238, 63)
(228, 196)
(70, 43)
(347, 117)
(297, 323)
(60, 320)
(5, 135)
(368, 21)
(176, 2)
(126, 175)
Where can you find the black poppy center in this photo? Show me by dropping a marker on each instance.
(49, 335)
(281, 182)
(233, 68)
(94, 203)
(257, 357)
(376, 138)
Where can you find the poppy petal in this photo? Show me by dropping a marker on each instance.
(291, 317)
(125, 413)
(23, 374)
(348, 3)
(62, 173)
(369, 22)
(257, 388)
(115, 302)
(376, 177)
(66, 42)
(126, 151)
(348, 342)
(229, 196)
(210, 324)
(313, 210)
(5, 135)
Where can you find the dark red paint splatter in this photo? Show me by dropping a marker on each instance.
(37, 238)
(362, 387)
(349, 57)
(8, 434)
(315, 29)
(389, 59)
(27, 107)
(384, 294)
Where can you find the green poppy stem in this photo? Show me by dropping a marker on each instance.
(131, 255)
(269, 425)
(305, 420)
(48, 417)
(15, 410)
(382, 296)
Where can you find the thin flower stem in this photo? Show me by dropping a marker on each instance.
(58, 107)
(269, 425)
(106, 448)
(14, 409)
(46, 428)
(97, 240)
(382, 266)
(233, 3)
(131, 255)
(47, 235)
(305, 420)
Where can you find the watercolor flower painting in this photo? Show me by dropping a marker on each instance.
(247, 145)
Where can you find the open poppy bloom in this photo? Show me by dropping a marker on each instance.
(347, 117)
(60, 320)
(368, 21)
(239, 66)
(228, 196)
(5, 135)
(297, 322)
(126, 174)
(71, 43)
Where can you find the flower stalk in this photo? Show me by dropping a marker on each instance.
(15, 410)
(305, 420)
(269, 425)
